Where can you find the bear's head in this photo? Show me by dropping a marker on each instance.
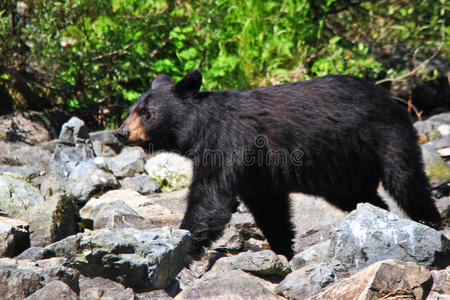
(156, 114)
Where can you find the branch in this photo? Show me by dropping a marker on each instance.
(410, 106)
(416, 69)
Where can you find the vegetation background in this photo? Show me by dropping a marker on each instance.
(93, 58)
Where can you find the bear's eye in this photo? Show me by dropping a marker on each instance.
(146, 114)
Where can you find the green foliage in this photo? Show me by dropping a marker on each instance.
(94, 57)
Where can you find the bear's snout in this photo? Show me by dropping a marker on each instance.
(121, 134)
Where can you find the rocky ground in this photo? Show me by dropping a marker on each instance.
(82, 217)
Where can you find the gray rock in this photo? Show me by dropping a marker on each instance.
(164, 209)
(30, 127)
(172, 169)
(141, 259)
(140, 183)
(246, 226)
(230, 241)
(54, 290)
(86, 180)
(19, 279)
(128, 163)
(197, 269)
(235, 284)
(441, 281)
(262, 263)
(316, 224)
(27, 172)
(15, 237)
(102, 288)
(74, 131)
(435, 166)
(52, 220)
(434, 129)
(370, 234)
(154, 295)
(105, 143)
(17, 194)
(28, 156)
(314, 254)
(32, 253)
(307, 281)
(112, 214)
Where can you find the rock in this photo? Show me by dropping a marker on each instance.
(31, 127)
(435, 166)
(141, 259)
(74, 131)
(436, 129)
(140, 183)
(153, 207)
(197, 269)
(19, 279)
(28, 156)
(246, 226)
(262, 263)
(443, 206)
(235, 284)
(154, 295)
(128, 163)
(17, 195)
(441, 281)
(314, 254)
(27, 172)
(54, 290)
(381, 279)
(437, 296)
(112, 214)
(52, 220)
(369, 234)
(32, 253)
(307, 281)
(170, 170)
(101, 288)
(86, 180)
(230, 241)
(15, 237)
(316, 225)
(105, 143)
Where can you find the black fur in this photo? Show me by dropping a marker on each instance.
(341, 136)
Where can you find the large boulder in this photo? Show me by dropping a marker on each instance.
(386, 278)
(141, 259)
(436, 130)
(435, 167)
(370, 234)
(105, 143)
(17, 194)
(52, 220)
(14, 237)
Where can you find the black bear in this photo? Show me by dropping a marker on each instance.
(335, 137)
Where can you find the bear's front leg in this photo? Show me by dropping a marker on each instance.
(210, 205)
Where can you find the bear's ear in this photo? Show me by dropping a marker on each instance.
(189, 86)
(162, 81)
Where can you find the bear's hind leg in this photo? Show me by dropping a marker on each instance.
(405, 180)
(272, 215)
